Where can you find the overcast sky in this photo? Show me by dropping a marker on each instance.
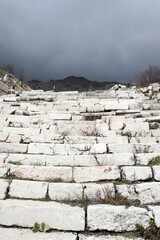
(102, 40)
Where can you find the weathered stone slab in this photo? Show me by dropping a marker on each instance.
(116, 218)
(25, 213)
(22, 131)
(156, 213)
(26, 159)
(13, 138)
(13, 148)
(113, 139)
(144, 158)
(3, 188)
(4, 169)
(3, 136)
(97, 173)
(121, 148)
(146, 193)
(59, 116)
(65, 191)
(136, 173)
(104, 237)
(156, 172)
(96, 191)
(42, 173)
(25, 234)
(28, 189)
(3, 157)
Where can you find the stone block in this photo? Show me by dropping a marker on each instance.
(156, 172)
(13, 148)
(42, 173)
(28, 189)
(97, 173)
(116, 218)
(25, 213)
(25, 234)
(136, 173)
(65, 191)
(3, 188)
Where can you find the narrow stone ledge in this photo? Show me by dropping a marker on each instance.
(27, 234)
(116, 218)
(24, 213)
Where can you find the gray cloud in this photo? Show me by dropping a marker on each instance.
(98, 39)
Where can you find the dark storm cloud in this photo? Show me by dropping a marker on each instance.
(98, 39)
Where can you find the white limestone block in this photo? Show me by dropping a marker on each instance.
(28, 189)
(42, 173)
(41, 148)
(25, 234)
(148, 192)
(4, 169)
(65, 191)
(3, 136)
(25, 213)
(144, 158)
(116, 218)
(156, 213)
(98, 148)
(3, 188)
(27, 159)
(121, 148)
(13, 148)
(59, 116)
(113, 139)
(22, 131)
(97, 173)
(116, 159)
(136, 173)
(3, 157)
(104, 237)
(13, 138)
(95, 191)
(156, 172)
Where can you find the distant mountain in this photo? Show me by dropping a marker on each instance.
(71, 83)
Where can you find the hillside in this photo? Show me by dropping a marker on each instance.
(71, 83)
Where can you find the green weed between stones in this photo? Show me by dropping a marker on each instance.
(154, 161)
(150, 233)
(41, 227)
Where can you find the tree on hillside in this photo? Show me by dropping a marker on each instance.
(10, 68)
(22, 74)
(150, 75)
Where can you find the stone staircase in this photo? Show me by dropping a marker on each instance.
(86, 164)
